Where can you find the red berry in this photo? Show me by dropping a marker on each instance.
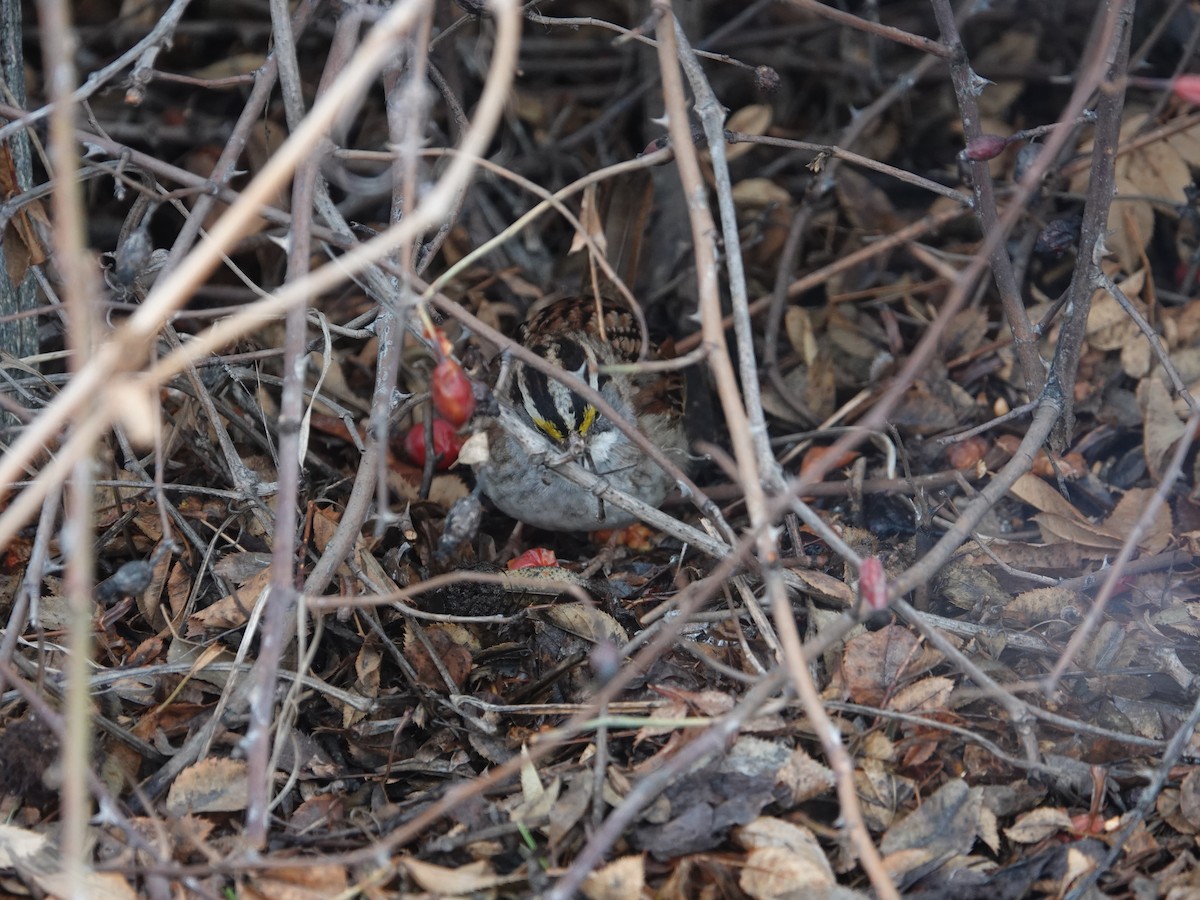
(872, 583)
(537, 557)
(1187, 88)
(985, 146)
(445, 444)
(453, 397)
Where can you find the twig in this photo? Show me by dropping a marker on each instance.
(280, 601)
(128, 343)
(1152, 338)
(916, 41)
(163, 34)
(1095, 211)
(965, 90)
(161, 31)
(82, 335)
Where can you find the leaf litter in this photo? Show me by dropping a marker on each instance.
(445, 726)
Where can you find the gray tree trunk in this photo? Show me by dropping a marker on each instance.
(18, 337)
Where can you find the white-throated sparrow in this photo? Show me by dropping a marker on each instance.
(573, 335)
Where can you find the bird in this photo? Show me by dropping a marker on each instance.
(581, 335)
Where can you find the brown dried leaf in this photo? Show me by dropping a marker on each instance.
(881, 791)
(1156, 171)
(927, 694)
(874, 660)
(1129, 509)
(944, 826)
(820, 585)
(804, 777)
(621, 879)
(964, 333)
(452, 644)
(782, 858)
(1041, 496)
(1187, 145)
(215, 784)
(27, 234)
(324, 525)
(967, 585)
(229, 66)
(1189, 797)
(1038, 824)
(309, 882)
(813, 386)
(1088, 538)
(865, 204)
(1168, 807)
(232, 610)
(321, 811)
(1011, 51)
(368, 664)
(1046, 604)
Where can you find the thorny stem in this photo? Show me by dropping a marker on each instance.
(1095, 214)
(712, 117)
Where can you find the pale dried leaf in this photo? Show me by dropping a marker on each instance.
(17, 844)
(798, 326)
(589, 218)
(1161, 427)
(464, 879)
(586, 621)
(621, 879)
(804, 777)
(1041, 496)
(882, 792)
(754, 119)
(96, 886)
(927, 694)
(1109, 326)
(755, 193)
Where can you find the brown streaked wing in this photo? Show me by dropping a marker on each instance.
(578, 315)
